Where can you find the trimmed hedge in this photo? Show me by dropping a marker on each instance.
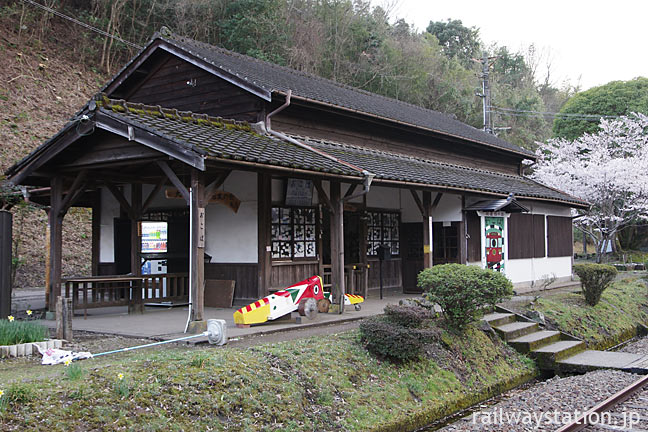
(391, 341)
(464, 291)
(408, 316)
(595, 278)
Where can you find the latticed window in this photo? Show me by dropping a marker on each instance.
(294, 233)
(383, 228)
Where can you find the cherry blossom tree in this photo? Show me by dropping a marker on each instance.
(608, 169)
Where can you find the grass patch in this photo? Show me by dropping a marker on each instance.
(623, 306)
(16, 332)
(305, 384)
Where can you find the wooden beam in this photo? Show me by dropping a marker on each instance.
(136, 305)
(151, 196)
(73, 192)
(437, 199)
(211, 188)
(96, 233)
(337, 245)
(349, 192)
(321, 194)
(197, 251)
(119, 196)
(418, 202)
(175, 180)
(264, 221)
(56, 242)
(427, 230)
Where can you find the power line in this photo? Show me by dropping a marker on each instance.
(554, 114)
(82, 24)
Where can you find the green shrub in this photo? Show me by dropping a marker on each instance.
(463, 291)
(408, 316)
(16, 332)
(595, 278)
(391, 341)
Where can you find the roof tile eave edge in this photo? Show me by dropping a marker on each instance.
(578, 204)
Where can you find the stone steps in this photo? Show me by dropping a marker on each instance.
(533, 341)
(557, 351)
(516, 329)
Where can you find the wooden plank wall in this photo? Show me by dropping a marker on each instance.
(559, 236)
(392, 273)
(245, 275)
(318, 124)
(473, 228)
(205, 93)
(284, 275)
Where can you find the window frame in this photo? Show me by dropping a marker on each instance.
(292, 240)
(369, 238)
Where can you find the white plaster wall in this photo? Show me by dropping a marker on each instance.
(448, 209)
(536, 269)
(232, 237)
(383, 197)
(109, 211)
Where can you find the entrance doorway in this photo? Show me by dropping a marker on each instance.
(412, 253)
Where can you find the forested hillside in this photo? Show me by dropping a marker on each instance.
(50, 67)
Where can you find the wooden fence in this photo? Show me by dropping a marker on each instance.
(104, 291)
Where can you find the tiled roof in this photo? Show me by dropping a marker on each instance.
(274, 78)
(220, 138)
(401, 168)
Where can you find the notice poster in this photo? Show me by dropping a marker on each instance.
(154, 237)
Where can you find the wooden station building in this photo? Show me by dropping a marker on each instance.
(266, 175)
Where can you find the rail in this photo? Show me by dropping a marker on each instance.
(621, 396)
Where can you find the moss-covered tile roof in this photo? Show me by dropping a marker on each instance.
(219, 138)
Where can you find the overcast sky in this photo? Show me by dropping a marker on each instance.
(591, 42)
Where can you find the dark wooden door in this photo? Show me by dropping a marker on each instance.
(412, 255)
(178, 244)
(446, 243)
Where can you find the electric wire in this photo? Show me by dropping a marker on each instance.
(82, 24)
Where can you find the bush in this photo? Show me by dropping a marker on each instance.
(595, 278)
(16, 332)
(463, 291)
(391, 341)
(408, 316)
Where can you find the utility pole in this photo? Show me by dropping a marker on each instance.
(486, 63)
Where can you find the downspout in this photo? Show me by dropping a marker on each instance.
(368, 176)
(191, 245)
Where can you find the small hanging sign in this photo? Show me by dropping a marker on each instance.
(201, 228)
(299, 192)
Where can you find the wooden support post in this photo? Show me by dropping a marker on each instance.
(64, 312)
(197, 233)
(337, 245)
(427, 230)
(5, 263)
(462, 241)
(56, 242)
(264, 216)
(136, 305)
(96, 232)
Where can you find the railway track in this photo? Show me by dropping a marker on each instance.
(626, 410)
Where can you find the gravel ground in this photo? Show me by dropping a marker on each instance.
(640, 346)
(535, 408)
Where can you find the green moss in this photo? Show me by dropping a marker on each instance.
(305, 384)
(613, 320)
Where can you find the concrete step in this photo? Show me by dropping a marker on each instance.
(548, 355)
(590, 360)
(497, 318)
(515, 330)
(533, 341)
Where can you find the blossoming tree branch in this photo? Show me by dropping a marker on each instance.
(608, 169)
